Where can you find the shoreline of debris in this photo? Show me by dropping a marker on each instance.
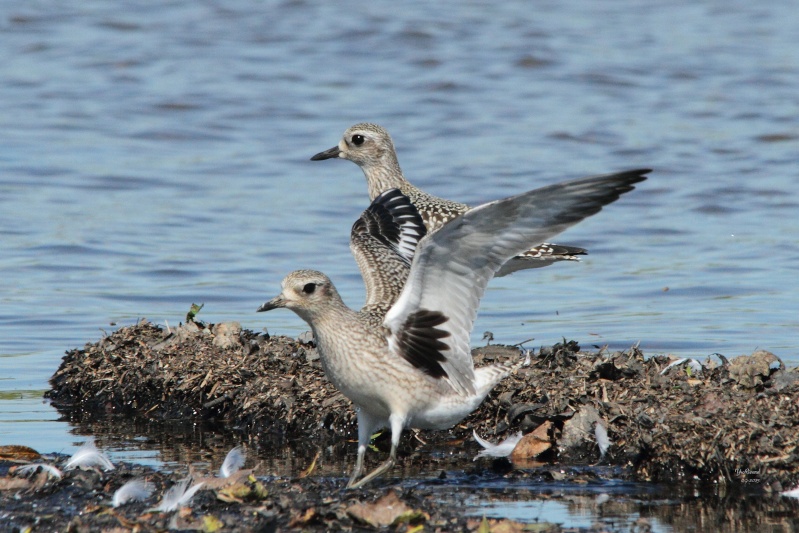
(718, 422)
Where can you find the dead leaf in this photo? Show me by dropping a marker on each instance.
(299, 521)
(388, 510)
(16, 452)
(533, 444)
(509, 526)
(240, 491)
(129, 524)
(307, 471)
(212, 524)
(236, 493)
(259, 491)
(213, 482)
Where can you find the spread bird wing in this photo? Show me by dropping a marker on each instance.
(431, 321)
(383, 241)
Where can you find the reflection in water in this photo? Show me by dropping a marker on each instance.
(620, 506)
(593, 496)
(177, 444)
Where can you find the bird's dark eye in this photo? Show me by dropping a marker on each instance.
(357, 140)
(309, 288)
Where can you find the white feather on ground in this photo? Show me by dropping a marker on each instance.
(178, 496)
(233, 461)
(31, 468)
(134, 490)
(87, 456)
(602, 439)
(793, 493)
(695, 366)
(503, 449)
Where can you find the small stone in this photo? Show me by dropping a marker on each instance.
(227, 335)
(753, 370)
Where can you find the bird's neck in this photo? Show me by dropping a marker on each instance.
(341, 338)
(384, 176)
(332, 326)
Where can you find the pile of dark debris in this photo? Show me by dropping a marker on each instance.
(716, 421)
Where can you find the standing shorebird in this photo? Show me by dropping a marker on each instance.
(370, 147)
(415, 370)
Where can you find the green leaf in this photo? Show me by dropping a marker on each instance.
(193, 312)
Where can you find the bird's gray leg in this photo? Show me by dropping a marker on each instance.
(367, 425)
(397, 422)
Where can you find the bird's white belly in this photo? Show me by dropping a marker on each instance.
(444, 413)
(382, 385)
(425, 402)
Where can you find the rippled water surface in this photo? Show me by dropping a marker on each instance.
(156, 154)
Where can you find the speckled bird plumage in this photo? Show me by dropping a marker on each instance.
(383, 241)
(414, 369)
(370, 147)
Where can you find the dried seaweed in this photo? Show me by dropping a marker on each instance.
(728, 424)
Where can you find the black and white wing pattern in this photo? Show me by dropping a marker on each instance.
(383, 241)
(431, 321)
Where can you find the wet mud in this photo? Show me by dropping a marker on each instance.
(249, 501)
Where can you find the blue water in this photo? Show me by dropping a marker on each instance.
(153, 155)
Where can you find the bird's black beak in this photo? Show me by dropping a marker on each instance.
(275, 303)
(327, 154)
